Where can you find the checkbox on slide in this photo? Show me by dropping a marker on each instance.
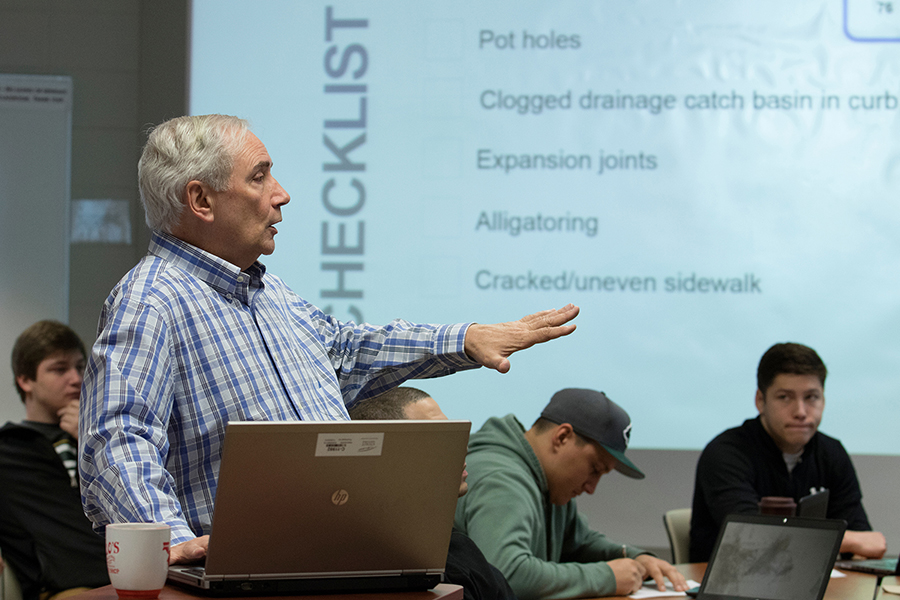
(442, 98)
(444, 39)
(442, 158)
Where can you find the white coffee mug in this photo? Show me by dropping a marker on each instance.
(137, 558)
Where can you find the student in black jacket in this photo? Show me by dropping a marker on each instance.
(780, 453)
(44, 535)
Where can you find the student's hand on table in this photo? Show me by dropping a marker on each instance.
(659, 570)
(189, 551)
(870, 544)
(629, 575)
(491, 345)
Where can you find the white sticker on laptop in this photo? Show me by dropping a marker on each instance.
(349, 444)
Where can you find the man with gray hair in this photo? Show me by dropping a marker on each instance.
(199, 333)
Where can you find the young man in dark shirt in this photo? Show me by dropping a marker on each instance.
(780, 453)
(44, 535)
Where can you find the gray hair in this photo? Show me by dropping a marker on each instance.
(387, 406)
(179, 151)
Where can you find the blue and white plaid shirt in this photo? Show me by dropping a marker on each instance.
(188, 342)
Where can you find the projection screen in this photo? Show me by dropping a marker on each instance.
(702, 178)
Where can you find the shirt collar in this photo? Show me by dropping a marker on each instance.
(769, 445)
(219, 274)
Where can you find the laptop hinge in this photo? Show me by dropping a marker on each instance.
(326, 575)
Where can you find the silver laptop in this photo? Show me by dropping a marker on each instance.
(312, 507)
(875, 566)
(772, 557)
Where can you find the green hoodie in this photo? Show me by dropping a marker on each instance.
(545, 551)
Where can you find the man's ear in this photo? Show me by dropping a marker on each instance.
(198, 200)
(760, 400)
(25, 383)
(562, 435)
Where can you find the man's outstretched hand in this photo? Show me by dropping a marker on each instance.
(491, 345)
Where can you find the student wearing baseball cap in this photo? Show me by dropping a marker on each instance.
(521, 512)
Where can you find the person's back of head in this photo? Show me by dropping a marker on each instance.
(788, 358)
(38, 342)
(390, 405)
(181, 150)
(402, 404)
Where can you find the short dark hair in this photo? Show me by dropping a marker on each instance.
(387, 406)
(543, 425)
(791, 359)
(37, 343)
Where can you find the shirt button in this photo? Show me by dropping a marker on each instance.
(230, 297)
(240, 278)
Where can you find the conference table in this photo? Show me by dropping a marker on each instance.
(443, 591)
(855, 586)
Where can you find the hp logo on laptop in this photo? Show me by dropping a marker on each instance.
(340, 497)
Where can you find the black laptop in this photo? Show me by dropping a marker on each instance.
(772, 557)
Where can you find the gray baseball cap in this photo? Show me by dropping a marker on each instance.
(594, 416)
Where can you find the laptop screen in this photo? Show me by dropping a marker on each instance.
(776, 558)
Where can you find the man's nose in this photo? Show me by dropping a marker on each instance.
(281, 195)
(591, 484)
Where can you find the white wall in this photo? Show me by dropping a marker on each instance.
(36, 126)
(126, 60)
